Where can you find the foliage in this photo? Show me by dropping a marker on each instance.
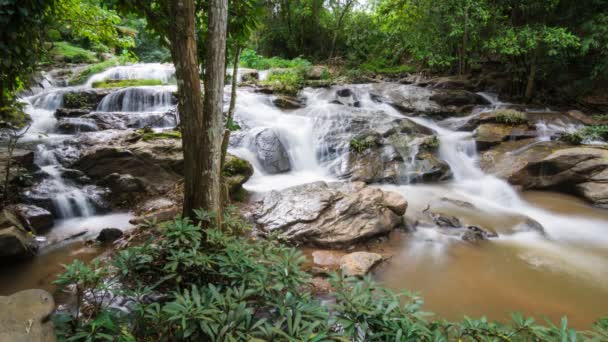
(126, 83)
(148, 46)
(250, 59)
(288, 81)
(219, 286)
(587, 134)
(12, 116)
(83, 75)
(360, 145)
(72, 54)
(510, 117)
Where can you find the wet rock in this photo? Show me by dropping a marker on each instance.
(152, 173)
(320, 286)
(287, 102)
(84, 99)
(442, 220)
(236, 172)
(122, 183)
(77, 125)
(160, 215)
(405, 98)
(458, 97)
(71, 112)
(25, 316)
(327, 258)
(15, 242)
(582, 169)
(122, 120)
(491, 134)
(270, 152)
(346, 97)
(475, 234)
(451, 82)
(335, 214)
(109, 235)
(20, 157)
(359, 263)
(248, 75)
(33, 218)
(316, 72)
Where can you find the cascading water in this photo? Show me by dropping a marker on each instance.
(139, 99)
(569, 249)
(149, 71)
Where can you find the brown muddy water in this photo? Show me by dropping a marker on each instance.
(496, 278)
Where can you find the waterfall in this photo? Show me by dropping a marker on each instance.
(157, 71)
(139, 99)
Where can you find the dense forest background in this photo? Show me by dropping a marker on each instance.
(560, 47)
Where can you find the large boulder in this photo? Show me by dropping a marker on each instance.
(333, 215)
(235, 173)
(25, 316)
(491, 134)
(76, 125)
(84, 99)
(270, 152)
(33, 218)
(15, 242)
(457, 97)
(582, 169)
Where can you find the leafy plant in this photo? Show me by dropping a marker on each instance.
(288, 81)
(510, 117)
(360, 145)
(250, 59)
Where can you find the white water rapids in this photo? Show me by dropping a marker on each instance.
(317, 141)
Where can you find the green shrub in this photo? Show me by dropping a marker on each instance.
(219, 286)
(125, 83)
(13, 116)
(288, 81)
(250, 59)
(380, 66)
(510, 117)
(587, 133)
(72, 54)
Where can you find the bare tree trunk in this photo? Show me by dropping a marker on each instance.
(235, 70)
(337, 31)
(212, 130)
(190, 105)
(531, 81)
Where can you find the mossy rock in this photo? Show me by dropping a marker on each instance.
(126, 83)
(236, 172)
(80, 100)
(13, 117)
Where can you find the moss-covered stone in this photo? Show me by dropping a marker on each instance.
(81, 100)
(13, 117)
(236, 172)
(126, 83)
(151, 135)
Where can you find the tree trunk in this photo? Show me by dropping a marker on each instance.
(235, 70)
(190, 105)
(337, 31)
(212, 130)
(530, 82)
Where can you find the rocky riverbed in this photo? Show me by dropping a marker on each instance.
(416, 174)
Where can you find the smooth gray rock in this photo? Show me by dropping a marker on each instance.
(25, 317)
(270, 152)
(334, 215)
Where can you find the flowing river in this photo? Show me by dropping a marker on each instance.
(561, 271)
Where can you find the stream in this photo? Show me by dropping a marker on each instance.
(563, 271)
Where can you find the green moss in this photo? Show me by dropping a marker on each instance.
(79, 100)
(83, 75)
(125, 83)
(236, 166)
(151, 135)
(72, 54)
(510, 117)
(431, 143)
(361, 145)
(287, 82)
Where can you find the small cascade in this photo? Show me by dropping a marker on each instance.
(157, 71)
(68, 198)
(139, 99)
(41, 109)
